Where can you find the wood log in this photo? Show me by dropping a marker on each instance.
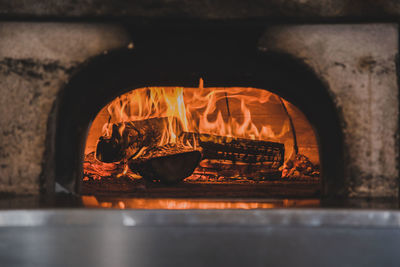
(168, 164)
(171, 163)
(238, 149)
(110, 149)
(237, 158)
(135, 135)
(225, 169)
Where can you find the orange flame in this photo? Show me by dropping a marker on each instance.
(207, 107)
(149, 103)
(216, 111)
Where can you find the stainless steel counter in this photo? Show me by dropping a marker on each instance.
(277, 237)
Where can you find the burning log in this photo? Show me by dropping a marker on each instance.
(238, 158)
(128, 138)
(169, 164)
(138, 143)
(239, 149)
(222, 170)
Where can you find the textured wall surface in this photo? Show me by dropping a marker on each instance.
(36, 60)
(204, 9)
(358, 64)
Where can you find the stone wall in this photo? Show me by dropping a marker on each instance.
(358, 64)
(36, 60)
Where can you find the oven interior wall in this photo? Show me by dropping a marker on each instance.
(247, 138)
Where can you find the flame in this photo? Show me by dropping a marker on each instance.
(146, 103)
(216, 111)
(207, 106)
(219, 114)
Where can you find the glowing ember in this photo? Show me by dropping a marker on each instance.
(182, 204)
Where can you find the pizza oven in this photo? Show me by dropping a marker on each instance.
(156, 121)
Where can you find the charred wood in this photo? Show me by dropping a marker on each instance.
(168, 164)
(239, 149)
(128, 138)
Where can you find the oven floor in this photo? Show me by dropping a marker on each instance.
(260, 189)
(61, 201)
(195, 204)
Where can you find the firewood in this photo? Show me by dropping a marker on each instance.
(169, 164)
(226, 169)
(110, 149)
(135, 135)
(235, 158)
(238, 149)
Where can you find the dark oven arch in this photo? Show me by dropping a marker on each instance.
(109, 75)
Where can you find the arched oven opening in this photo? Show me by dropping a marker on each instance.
(212, 123)
(229, 141)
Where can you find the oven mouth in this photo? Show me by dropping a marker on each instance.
(109, 76)
(201, 142)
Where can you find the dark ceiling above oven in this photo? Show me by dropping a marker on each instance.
(277, 10)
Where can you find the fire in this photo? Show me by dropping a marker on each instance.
(185, 117)
(146, 103)
(215, 111)
(227, 112)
